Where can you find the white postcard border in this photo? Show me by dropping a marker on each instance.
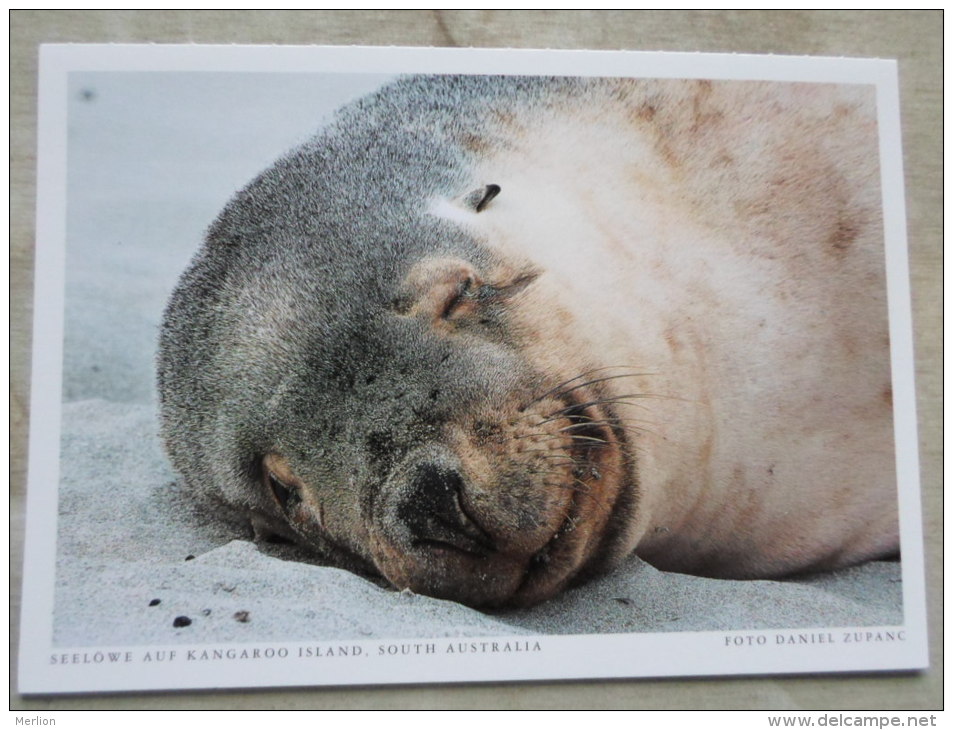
(597, 656)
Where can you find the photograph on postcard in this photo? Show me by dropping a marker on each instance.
(375, 365)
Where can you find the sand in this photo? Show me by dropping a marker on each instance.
(128, 537)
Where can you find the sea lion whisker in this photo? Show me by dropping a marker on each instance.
(547, 471)
(547, 474)
(588, 383)
(609, 424)
(567, 410)
(589, 420)
(607, 400)
(589, 446)
(593, 439)
(570, 487)
(564, 459)
(584, 374)
(564, 413)
(589, 424)
(550, 437)
(587, 490)
(542, 436)
(559, 387)
(550, 419)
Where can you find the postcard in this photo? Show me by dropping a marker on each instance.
(393, 365)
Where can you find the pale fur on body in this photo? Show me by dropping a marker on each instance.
(727, 238)
(715, 248)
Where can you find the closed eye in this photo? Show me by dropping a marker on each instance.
(470, 294)
(286, 495)
(460, 299)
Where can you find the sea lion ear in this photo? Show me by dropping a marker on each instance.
(461, 208)
(481, 197)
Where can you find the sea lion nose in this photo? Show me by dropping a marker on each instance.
(432, 510)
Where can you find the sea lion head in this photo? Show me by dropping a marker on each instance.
(376, 384)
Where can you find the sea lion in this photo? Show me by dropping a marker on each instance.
(485, 336)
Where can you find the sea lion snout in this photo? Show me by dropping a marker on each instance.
(430, 507)
(503, 508)
(428, 537)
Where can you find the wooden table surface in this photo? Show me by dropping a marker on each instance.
(912, 37)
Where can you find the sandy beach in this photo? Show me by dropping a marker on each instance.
(116, 560)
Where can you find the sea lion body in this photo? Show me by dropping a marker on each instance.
(486, 336)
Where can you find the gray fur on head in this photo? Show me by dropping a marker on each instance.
(278, 329)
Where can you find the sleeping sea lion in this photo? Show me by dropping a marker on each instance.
(485, 336)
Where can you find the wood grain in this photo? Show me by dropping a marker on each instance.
(912, 37)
